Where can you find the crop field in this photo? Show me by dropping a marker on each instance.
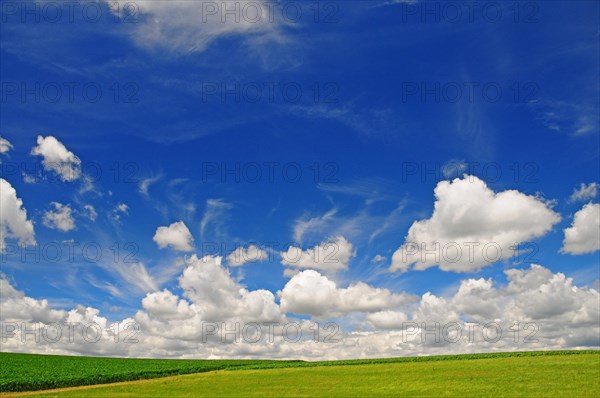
(557, 373)
(26, 372)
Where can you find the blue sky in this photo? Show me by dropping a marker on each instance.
(370, 101)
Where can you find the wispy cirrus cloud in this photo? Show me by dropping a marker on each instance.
(575, 119)
(188, 27)
(145, 183)
(215, 215)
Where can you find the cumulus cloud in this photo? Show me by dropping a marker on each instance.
(330, 256)
(534, 294)
(309, 292)
(188, 27)
(56, 157)
(176, 235)
(478, 298)
(549, 310)
(166, 305)
(584, 192)
(13, 217)
(241, 256)
(61, 217)
(5, 145)
(16, 306)
(472, 226)
(562, 313)
(207, 284)
(583, 236)
(387, 320)
(38, 315)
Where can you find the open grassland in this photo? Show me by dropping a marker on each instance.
(564, 373)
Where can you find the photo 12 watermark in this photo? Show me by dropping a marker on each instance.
(468, 12)
(527, 172)
(71, 251)
(270, 172)
(469, 332)
(53, 92)
(128, 172)
(451, 92)
(69, 332)
(271, 92)
(243, 12)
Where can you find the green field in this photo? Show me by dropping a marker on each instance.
(562, 373)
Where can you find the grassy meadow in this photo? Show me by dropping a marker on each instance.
(551, 373)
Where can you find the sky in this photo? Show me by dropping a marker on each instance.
(372, 170)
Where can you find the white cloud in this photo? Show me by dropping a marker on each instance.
(241, 256)
(301, 226)
(13, 217)
(583, 236)
(214, 215)
(135, 274)
(176, 235)
(5, 145)
(585, 192)
(119, 210)
(363, 120)
(57, 158)
(60, 218)
(573, 118)
(477, 298)
(184, 26)
(472, 226)
(561, 310)
(28, 179)
(309, 292)
(562, 316)
(331, 255)
(207, 284)
(166, 305)
(387, 320)
(90, 212)
(16, 309)
(15, 305)
(378, 259)
(146, 183)
(366, 223)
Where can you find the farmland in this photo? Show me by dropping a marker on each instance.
(532, 374)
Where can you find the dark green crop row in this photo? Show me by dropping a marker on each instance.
(29, 372)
